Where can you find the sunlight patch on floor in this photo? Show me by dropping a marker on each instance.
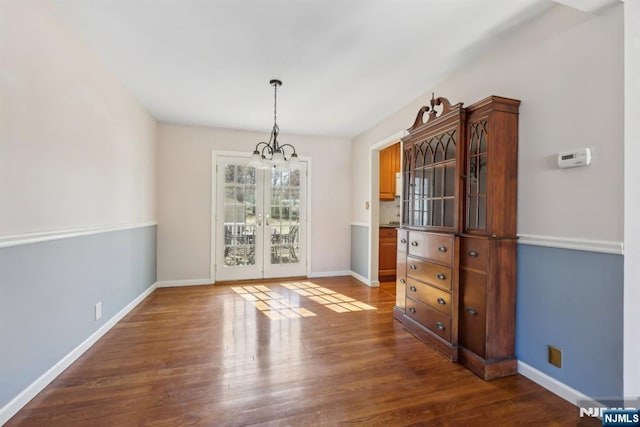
(276, 306)
(272, 304)
(327, 297)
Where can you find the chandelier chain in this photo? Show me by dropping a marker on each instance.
(275, 103)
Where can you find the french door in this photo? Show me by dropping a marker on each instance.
(260, 219)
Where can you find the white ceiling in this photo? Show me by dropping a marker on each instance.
(345, 64)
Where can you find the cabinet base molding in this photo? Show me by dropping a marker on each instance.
(445, 348)
(398, 313)
(488, 369)
(387, 276)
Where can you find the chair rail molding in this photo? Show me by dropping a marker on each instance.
(603, 246)
(43, 236)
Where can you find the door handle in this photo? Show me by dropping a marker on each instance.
(259, 220)
(266, 219)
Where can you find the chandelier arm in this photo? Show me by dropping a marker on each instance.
(288, 145)
(260, 151)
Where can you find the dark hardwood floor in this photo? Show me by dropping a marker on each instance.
(212, 356)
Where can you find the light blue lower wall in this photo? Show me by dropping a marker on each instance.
(48, 292)
(360, 250)
(572, 300)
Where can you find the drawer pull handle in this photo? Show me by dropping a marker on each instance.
(412, 310)
(414, 243)
(413, 289)
(403, 240)
(473, 254)
(413, 267)
(441, 301)
(403, 281)
(472, 311)
(440, 326)
(442, 249)
(441, 276)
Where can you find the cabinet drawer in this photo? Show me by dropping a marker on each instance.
(472, 313)
(433, 297)
(386, 232)
(474, 253)
(433, 320)
(437, 247)
(435, 274)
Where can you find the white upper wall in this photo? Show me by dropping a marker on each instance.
(184, 199)
(567, 69)
(76, 150)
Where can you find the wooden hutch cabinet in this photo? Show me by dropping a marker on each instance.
(459, 204)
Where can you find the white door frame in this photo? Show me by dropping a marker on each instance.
(374, 197)
(212, 213)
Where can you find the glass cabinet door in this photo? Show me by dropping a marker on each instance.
(433, 188)
(407, 161)
(477, 177)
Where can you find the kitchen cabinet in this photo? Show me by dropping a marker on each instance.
(389, 166)
(387, 250)
(458, 210)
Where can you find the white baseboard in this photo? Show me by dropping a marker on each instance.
(190, 282)
(18, 402)
(371, 284)
(564, 391)
(329, 274)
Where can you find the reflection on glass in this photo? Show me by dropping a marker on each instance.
(439, 152)
(451, 150)
(437, 212)
(482, 174)
(450, 180)
(482, 213)
(472, 211)
(449, 213)
(483, 136)
(438, 182)
(473, 175)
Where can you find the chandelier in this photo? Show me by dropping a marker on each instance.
(272, 153)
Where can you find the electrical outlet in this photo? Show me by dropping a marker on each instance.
(99, 310)
(555, 356)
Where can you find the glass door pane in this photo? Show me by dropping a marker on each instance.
(238, 220)
(284, 254)
(239, 215)
(285, 219)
